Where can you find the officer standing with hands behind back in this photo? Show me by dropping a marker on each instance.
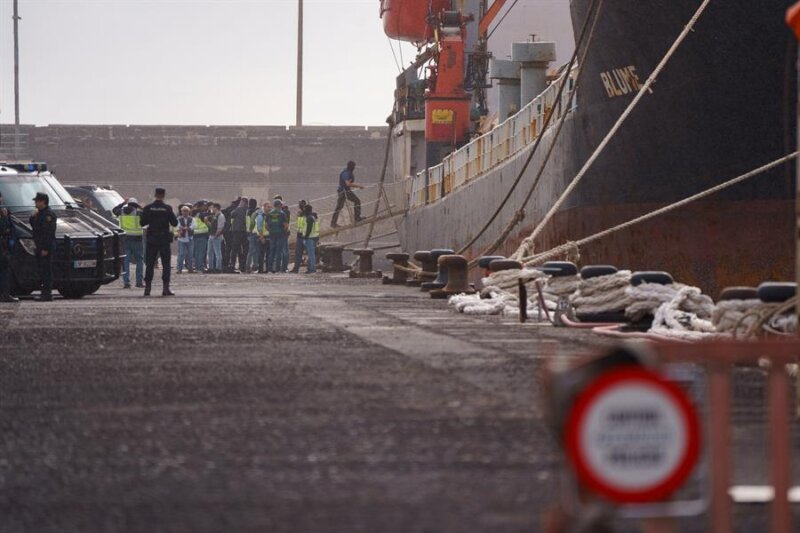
(157, 217)
(43, 223)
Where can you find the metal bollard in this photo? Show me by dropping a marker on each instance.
(485, 261)
(332, 261)
(428, 265)
(399, 264)
(441, 277)
(457, 268)
(499, 265)
(365, 265)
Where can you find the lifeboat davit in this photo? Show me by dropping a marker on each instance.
(407, 20)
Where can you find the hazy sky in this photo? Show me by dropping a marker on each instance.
(211, 61)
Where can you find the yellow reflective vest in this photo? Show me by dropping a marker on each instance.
(131, 224)
(301, 225)
(314, 230)
(200, 227)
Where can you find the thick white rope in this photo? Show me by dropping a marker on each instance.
(569, 246)
(527, 243)
(603, 294)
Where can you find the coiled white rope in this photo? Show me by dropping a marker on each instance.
(603, 294)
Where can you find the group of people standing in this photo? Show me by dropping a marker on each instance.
(213, 240)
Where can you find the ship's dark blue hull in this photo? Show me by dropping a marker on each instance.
(724, 105)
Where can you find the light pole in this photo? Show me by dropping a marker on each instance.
(299, 118)
(16, 79)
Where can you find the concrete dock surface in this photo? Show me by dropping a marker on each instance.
(289, 403)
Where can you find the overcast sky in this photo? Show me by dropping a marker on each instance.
(214, 61)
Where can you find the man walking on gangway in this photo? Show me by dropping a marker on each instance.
(346, 185)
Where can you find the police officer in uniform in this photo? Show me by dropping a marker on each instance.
(157, 217)
(6, 248)
(44, 237)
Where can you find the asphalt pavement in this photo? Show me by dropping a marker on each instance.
(274, 403)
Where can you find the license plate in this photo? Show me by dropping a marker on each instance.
(89, 263)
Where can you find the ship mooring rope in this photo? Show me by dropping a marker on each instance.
(527, 243)
(520, 214)
(567, 247)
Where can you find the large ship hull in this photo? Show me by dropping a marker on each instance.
(724, 105)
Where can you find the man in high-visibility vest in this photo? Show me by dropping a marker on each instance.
(299, 246)
(311, 238)
(200, 236)
(129, 215)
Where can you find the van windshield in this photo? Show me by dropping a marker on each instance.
(19, 190)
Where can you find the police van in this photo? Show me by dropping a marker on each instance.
(89, 248)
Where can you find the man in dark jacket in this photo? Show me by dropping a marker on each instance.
(7, 238)
(159, 219)
(44, 237)
(238, 237)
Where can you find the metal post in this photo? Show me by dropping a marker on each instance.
(719, 442)
(299, 119)
(780, 446)
(16, 79)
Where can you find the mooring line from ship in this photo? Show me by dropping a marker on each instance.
(554, 252)
(591, 14)
(381, 191)
(527, 243)
(519, 214)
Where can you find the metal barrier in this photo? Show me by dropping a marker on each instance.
(491, 149)
(717, 360)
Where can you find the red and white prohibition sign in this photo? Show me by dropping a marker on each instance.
(632, 436)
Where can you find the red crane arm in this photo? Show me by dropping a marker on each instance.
(491, 13)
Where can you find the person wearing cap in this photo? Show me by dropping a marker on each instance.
(299, 246)
(7, 241)
(43, 223)
(200, 236)
(129, 214)
(158, 218)
(278, 228)
(345, 191)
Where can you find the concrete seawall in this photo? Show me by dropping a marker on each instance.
(215, 162)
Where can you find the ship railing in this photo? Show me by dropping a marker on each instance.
(493, 148)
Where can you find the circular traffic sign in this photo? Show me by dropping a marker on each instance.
(632, 436)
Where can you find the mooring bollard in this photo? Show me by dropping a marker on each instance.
(365, 265)
(400, 269)
(457, 268)
(332, 259)
(485, 261)
(428, 269)
(499, 265)
(441, 277)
